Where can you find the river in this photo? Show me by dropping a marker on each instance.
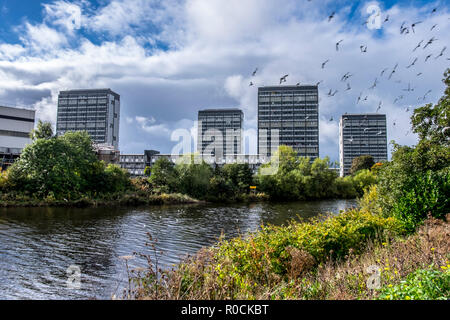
(38, 245)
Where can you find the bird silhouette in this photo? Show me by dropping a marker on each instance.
(428, 57)
(429, 42)
(331, 16)
(254, 72)
(283, 78)
(413, 63)
(337, 44)
(415, 24)
(441, 54)
(418, 46)
(434, 26)
(374, 84)
(331, 119)
(419, 74)
(324, 63)
(383, 71)
(387, 19)
(363, 49)
(318, 83)
(251, 84)
(348, 87)
(379, 106)
(393, 71)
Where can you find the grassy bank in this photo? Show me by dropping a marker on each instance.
(119, 199)
(327, 259)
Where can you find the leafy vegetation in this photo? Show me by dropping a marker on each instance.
(364, 162)
(422, 284)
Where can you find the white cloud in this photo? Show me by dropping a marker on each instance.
(65, 14)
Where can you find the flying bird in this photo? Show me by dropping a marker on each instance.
(393, 71)
(418, 46)
(387, 18)
(348, 87)
(337, 44)
(331, 119)
(251, 84)
(413, 63)
(254, 72)
(379, 106)
(283, 78)
(429, 42)
(433, 27)
(428, 57)
(374, 84)
(331, 16)
(419, 74)
(383, 71)
(441, 54)
(324, 63)
(415, 24)
(363, 49)
(318, 83)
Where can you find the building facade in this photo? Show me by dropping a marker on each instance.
(96, 111)
(288, 115)
(15, 128)
(361, 134)
(220, 132)
(134, 163)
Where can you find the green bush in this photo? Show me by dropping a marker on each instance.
(422, 284)
(426, 194)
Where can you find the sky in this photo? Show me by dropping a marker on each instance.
(168, 59)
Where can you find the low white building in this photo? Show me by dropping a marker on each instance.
(15, 128)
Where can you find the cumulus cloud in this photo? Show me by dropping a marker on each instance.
(168, 59)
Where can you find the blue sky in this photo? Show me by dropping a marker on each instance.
(168, 59)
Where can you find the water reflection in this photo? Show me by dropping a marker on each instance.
(37, 245)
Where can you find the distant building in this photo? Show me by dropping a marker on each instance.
(136, 163)
(220, 132)
(15, 128)
(96, 111)
(106, 153)
(288, 115)
(361, 134)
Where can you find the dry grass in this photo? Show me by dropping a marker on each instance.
(199, 277)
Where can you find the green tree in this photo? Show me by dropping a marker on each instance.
(163, 176)
(194, 179)
(364, 162)
(60, 165)
(43, 130)
(239, 175)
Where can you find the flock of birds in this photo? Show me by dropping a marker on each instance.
(404, 29)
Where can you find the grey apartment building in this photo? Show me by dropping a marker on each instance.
(96, 111)
(220, 130)
(288, 115)
(15, 127)
(361, 134)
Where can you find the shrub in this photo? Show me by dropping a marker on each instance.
(427, 194)
(422, 284)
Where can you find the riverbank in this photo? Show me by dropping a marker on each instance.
(333, 259)
(125, 199)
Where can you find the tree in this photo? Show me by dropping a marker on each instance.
(364, 162)
(43, 131)
(61, 165)
(163, 175)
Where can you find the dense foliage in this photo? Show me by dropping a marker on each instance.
(422, 284)
(364, 162)
(297, 178)
(416, 183)
(63, 167)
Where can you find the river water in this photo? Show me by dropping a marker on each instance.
(38, 245)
